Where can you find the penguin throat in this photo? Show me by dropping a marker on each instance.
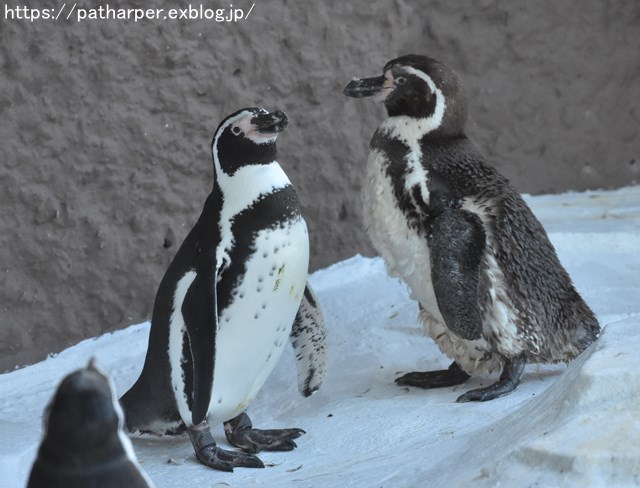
(230, 155)
(409, 127)
(409, 130)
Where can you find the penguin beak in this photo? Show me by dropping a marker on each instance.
(365, 87)
(270, 123)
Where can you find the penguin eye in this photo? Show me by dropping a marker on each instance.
(236, 130)
(400, 80)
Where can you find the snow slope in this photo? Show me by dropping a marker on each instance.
(574, 426)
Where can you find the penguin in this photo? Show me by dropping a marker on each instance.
(234, 292)
(491, 290)
(84, 442)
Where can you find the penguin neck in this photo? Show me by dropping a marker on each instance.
(409, 130)
(250, 180)
(413, 131)
(446, 119)
(61, 454)
(231, 155)
(240, 191)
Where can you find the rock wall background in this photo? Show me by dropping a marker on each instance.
(105, 129)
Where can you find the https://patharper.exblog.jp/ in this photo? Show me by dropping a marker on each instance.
(76, 13)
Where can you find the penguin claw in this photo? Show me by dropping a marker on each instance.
(224, 460)
(509, 380)
(491, 392)
(240, 433)
(211, 455)
(256, 440)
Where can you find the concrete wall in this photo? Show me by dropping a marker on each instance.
(105, 129)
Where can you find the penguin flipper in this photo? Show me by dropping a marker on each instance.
(457, 244)
(199, 310)
(309, 340)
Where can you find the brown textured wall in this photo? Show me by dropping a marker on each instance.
(105, 129)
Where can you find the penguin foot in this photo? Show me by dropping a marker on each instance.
(509, 380)
(240, 433)
(452, 376)
(210, 455)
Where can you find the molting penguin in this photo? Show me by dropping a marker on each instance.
(84, 443)
(491, 290)
(234, 292)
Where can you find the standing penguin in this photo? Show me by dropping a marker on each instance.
(492, 292)
(236, 289)
(84, 443)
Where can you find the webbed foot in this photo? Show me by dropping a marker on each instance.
(240, 433)
(452, 376)
(509, 380)
(210, 455)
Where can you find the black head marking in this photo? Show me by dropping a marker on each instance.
(406, 97)
(419, 87)
(83, 444)
(81, 424)
(246, 137)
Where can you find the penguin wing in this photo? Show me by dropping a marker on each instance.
(457, 244)
(309, 338)
(200, 314)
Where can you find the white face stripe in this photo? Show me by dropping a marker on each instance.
(250, 132)
(403, 127)
(219, 132)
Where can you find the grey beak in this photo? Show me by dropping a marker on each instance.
(271, 122)
(365, 87)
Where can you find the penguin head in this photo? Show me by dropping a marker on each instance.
(420, 88)
(83, 414)
(247, 137)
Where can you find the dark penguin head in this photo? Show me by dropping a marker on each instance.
(246, 137)
(82, 414)
(83, 438)
(419, 88)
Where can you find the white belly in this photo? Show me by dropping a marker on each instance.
(253, 330)
(405, 253)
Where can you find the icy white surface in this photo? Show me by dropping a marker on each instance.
(563, 426)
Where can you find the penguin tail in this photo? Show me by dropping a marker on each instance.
(586, 334)
(588, 328)
(144, 412)
(309, 340)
